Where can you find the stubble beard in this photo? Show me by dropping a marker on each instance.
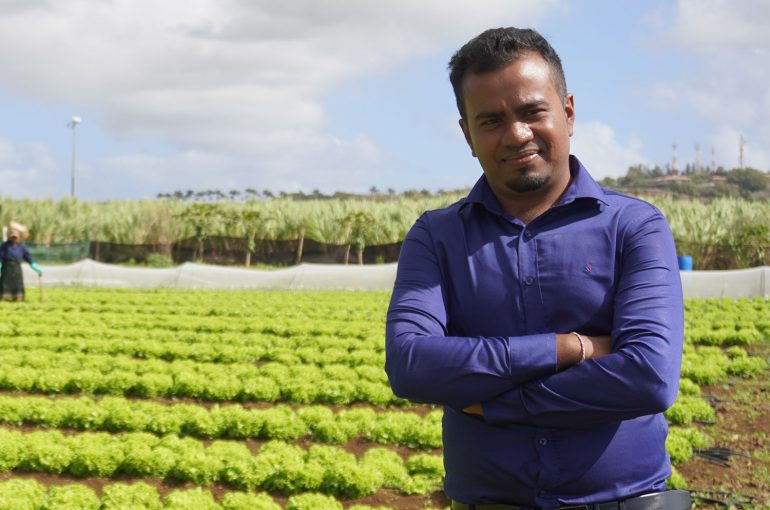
(527, 182)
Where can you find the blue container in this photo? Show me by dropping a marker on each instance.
(685, 263)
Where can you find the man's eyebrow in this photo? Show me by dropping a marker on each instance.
(486, 115)
(523, 106)
(533, 103)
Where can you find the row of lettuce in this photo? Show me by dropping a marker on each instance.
(43, 371)
(234, 421)
(270, 403)
(275, 466)
(19, 494)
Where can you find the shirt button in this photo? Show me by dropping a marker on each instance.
(528, 234)
(543, 441)
(529, 280)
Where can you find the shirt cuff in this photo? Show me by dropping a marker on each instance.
(532, 356)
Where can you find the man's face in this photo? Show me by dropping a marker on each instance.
(518, 126)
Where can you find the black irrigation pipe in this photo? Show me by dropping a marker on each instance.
(711, 398)
(719, 455)
(733, 499)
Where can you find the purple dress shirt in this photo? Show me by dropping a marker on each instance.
(478, 299)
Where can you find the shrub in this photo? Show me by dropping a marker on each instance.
(18, 494)
(120, 496)
(11, 449)
(159, 260)
(197, 498)
(244, 501)
(45, 451)
(389, 464)
(71, 497)
(313, 502)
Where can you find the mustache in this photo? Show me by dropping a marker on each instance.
(521, 152)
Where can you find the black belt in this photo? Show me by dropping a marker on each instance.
(669, 500)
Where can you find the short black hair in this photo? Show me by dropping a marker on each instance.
(496, 48)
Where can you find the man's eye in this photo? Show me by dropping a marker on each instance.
(537, 111)
(490, 122)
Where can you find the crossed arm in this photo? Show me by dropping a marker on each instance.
(536, 379)
(571, 349)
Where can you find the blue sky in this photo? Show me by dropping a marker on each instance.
(343, 95)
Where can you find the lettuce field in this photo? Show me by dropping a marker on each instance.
(113, 399)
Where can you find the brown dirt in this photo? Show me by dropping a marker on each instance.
(742, 426)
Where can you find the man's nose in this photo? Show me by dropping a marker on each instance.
(518, 133)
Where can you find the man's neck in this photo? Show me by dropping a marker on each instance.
(526, 207)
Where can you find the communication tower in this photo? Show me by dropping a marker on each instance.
(696, 165)
(674, 165)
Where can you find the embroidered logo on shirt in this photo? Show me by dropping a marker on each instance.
(588, 267)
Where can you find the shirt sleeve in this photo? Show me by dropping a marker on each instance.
(641, 375)
(424, 364)
(26, 255)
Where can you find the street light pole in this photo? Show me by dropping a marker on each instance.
(73, 124)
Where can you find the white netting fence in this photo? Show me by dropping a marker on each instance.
(88, 273)
(754, 282)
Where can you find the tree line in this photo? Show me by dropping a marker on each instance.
(695, 182)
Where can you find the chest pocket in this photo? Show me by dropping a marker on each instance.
(576, 278)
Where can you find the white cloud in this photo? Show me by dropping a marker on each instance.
(594, 143)
(712, 26)
(731, 87)
(240, 81)
(327, 167)
(26, 169)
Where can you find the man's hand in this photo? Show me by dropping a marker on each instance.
(474, 409)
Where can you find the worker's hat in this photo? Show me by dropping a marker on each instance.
(21, 231)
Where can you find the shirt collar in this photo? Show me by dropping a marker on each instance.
(582, 185)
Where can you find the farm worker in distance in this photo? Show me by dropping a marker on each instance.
(12, 252)
(543, 311)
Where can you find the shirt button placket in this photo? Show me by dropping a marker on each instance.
(528, 278)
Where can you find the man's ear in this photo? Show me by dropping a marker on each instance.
(467, 135)
(569, 110)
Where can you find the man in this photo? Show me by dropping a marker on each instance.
(543, 311)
